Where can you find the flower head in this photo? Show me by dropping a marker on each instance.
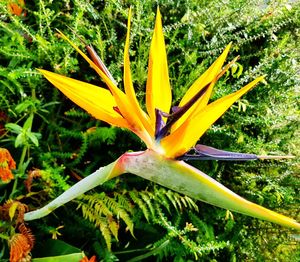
(21, 245)
(7, 163)
(16, 7)
(166, 130)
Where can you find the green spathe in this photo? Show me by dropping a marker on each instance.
(173, 174)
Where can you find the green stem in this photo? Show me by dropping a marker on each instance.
(22, 158)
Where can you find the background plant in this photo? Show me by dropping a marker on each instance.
(55, 143)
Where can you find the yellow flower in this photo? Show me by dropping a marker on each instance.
(169, 134)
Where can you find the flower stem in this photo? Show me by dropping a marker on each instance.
(22, 158)
(20, 171)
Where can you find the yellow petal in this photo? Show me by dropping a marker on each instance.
(180, 141)
(113, 88)
(207, 77)
(158, 90)
(129, 90)
(95, 100)
(123, 103)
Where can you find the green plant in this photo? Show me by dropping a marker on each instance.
(195, 32)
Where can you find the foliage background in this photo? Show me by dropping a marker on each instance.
(55, 143)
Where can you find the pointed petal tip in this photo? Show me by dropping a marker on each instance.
(157, 10)
(227, 48)
(158, 16)
(129, 12)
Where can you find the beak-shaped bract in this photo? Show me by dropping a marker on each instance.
(183, 178)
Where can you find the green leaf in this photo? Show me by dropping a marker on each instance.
(23, 106)
(28, 123)
(12, 210)
(33, 138)
(20, 140)
(57, 250)
(64, 258)
(14, 128)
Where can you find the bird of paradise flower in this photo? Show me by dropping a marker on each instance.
(169, 133)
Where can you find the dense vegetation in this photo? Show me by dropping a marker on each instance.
(54, 143)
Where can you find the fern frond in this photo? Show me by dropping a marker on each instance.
(172, 198)
(104, 212)
(113, 227)
(106, 135)
(120, 212)
(190, 203)
(140, 203)
(105, 230)
(206, 230)
(82, 150)
(124, 201)
(146, 197)
(160, 193)
(75, 113)
(96, 202)
(67, 133)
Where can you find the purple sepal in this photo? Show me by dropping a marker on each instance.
(202, 152)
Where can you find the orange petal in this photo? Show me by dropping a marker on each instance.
(96, 100)
(181, 140)
(123, 103)
(17, 7)
(158, 90)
